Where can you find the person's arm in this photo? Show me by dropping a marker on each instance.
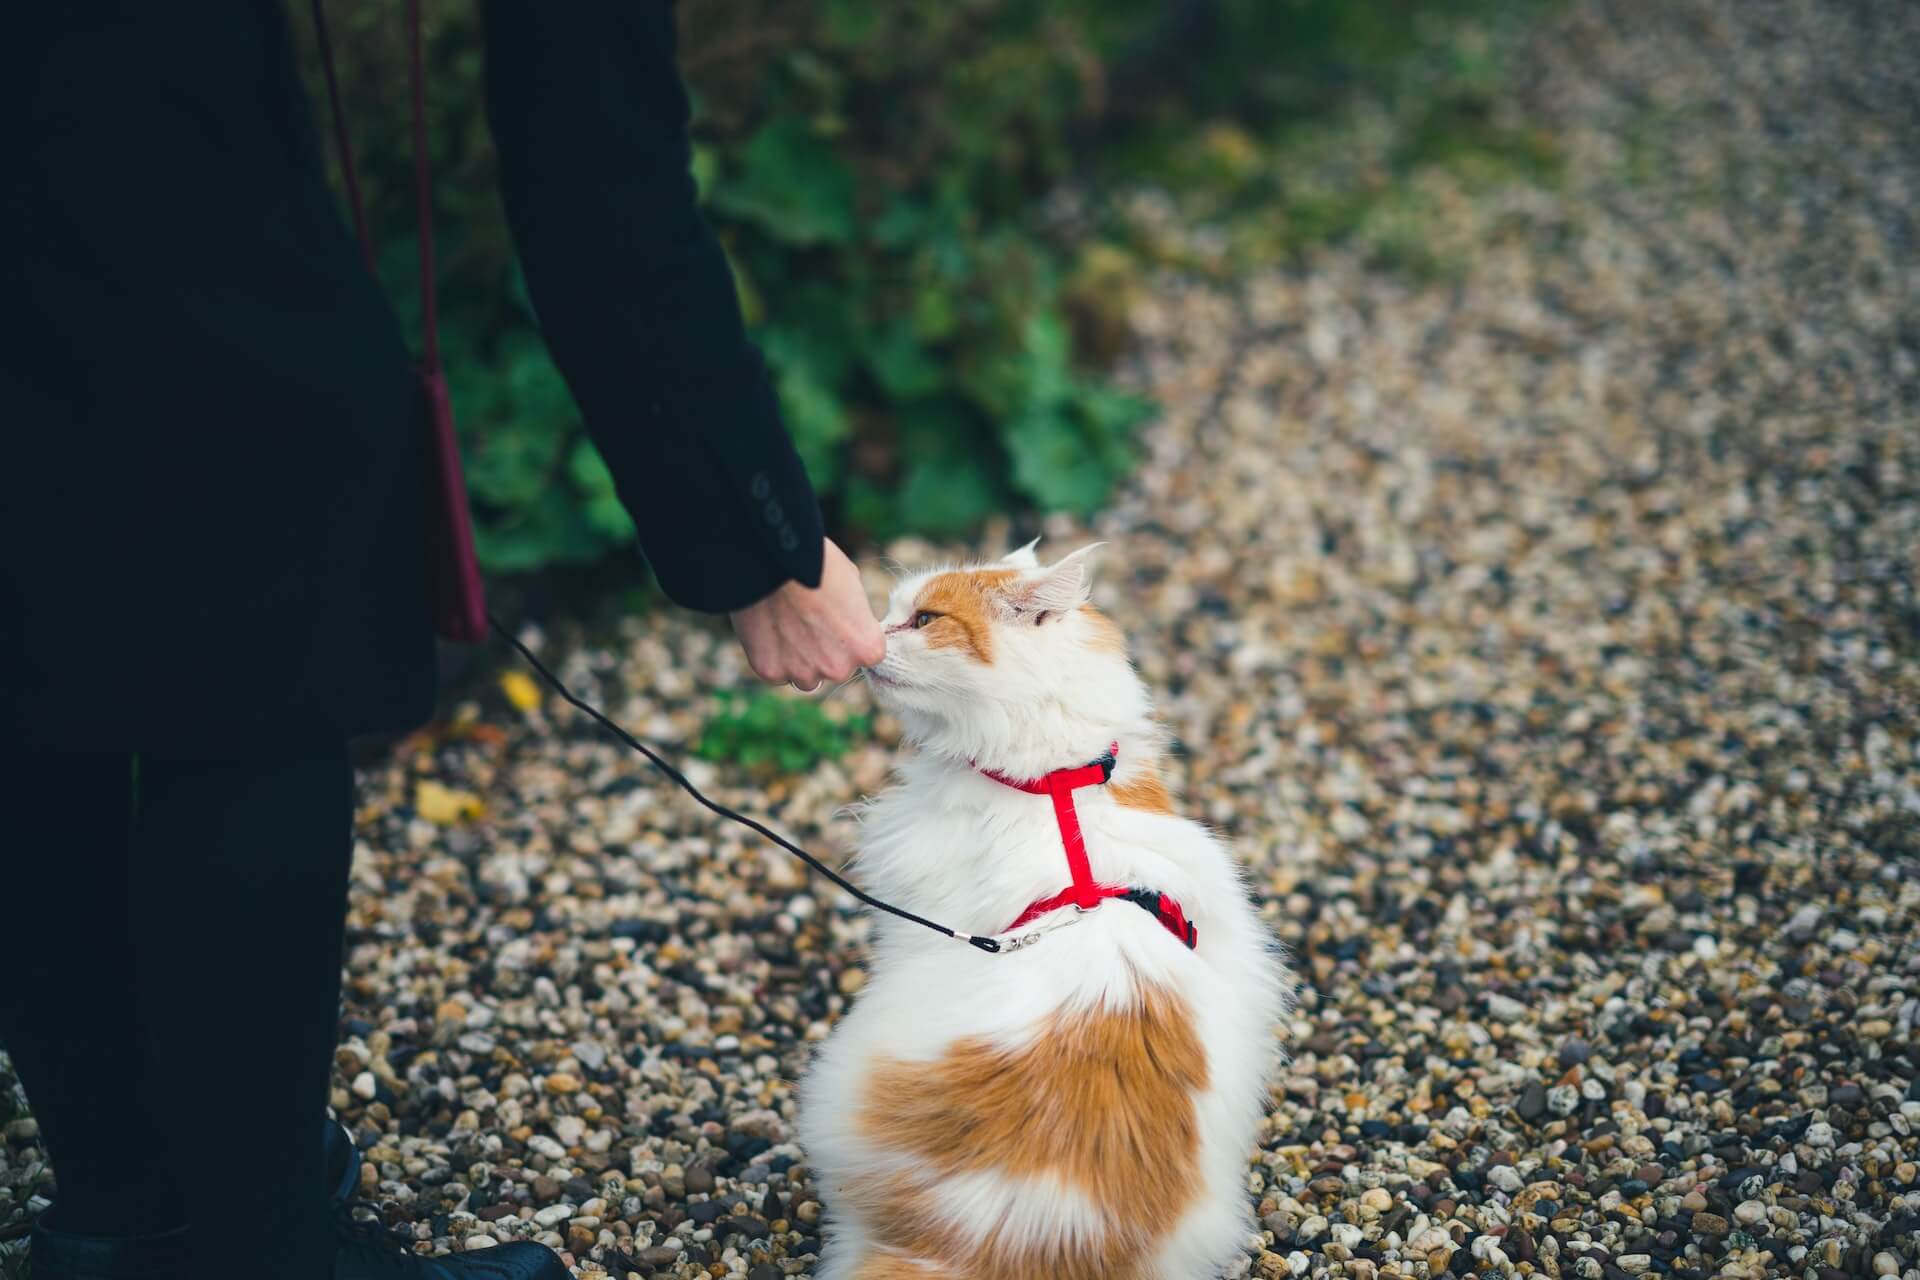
(635, 298)
(637, 305)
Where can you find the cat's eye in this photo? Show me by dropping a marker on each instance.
(923, 618)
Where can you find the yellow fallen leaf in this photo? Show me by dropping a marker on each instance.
(443, 804)
(521, 691)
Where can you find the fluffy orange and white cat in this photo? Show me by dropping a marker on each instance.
(1080, 1106)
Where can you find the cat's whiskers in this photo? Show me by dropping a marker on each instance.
(842, 685)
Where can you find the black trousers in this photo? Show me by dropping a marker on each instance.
(170, 945)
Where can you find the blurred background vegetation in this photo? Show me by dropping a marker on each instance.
(939, 213)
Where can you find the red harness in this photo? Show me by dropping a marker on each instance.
(1085, 893)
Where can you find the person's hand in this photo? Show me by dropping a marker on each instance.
(804, 635)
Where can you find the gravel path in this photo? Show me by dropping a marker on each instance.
(1545, 637)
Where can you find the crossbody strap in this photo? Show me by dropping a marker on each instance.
(422, 168)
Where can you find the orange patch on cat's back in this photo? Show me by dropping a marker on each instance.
(1101, 1099)
(963, 601)
(1145, 791)
(887, 1266)
(1103, 634)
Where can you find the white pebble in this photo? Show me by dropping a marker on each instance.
(1506, 1177)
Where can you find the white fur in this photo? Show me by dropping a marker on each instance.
(967, 851)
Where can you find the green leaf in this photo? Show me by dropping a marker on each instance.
(936, 314)
(792, 185)
(705, 168)
(600, 504)
(551, 529)
(1049, 358)
(778, 730)
(901, 366)
(1055, 463)
(753, 308)
(951, 480)
(1112, 413)
(510, 463)
(948, 495)
(815, 420)
(874, 509)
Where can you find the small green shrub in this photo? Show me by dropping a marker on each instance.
(786, 734)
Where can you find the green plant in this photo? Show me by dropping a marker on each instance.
(877, 172)
(786, 734)
(872, 171)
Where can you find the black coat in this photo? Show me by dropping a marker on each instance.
(210, 524)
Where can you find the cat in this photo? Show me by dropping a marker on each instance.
(1082, 1105)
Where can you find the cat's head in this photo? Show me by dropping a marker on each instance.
(1001, 661)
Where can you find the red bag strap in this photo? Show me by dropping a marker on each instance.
(422, 168)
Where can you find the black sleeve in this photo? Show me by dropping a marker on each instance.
(636, 300)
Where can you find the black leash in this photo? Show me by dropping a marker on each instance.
(983, 943)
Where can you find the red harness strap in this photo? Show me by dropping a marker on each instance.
(1085, 892)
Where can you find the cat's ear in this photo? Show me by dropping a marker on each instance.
(1049, 594)
(1023, 557)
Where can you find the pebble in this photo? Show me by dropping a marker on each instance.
(1506, 1178)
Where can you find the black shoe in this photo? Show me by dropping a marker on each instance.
(55, 1255)
(58, 1255)
(343, 1165)
(521, 1260)
(366, 1249)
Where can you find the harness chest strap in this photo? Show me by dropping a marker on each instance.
(1085, 892)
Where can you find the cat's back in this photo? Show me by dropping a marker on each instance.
(1078, 1108)
(1018, 1112)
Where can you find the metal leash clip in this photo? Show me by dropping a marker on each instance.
(1020, 942)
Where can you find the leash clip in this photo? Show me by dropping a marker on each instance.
(1021, 941)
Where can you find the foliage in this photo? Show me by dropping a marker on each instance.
(787, 734)
(878, 173)
(872, 171)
